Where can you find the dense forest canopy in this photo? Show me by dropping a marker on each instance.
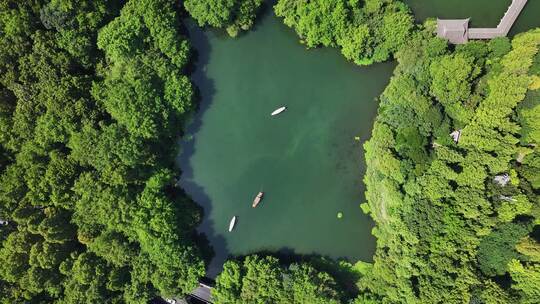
(263, 280)
(93, 95)
(233, 15)
(365, 31)
(457, 218)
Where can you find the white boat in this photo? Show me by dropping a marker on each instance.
(232, 223)
(278, 110)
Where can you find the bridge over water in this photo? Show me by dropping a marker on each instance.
(200, 295)
(457, 31)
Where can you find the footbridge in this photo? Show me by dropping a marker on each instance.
(457, 31)
(203, 293)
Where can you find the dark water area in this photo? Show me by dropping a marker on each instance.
(309, 160)
(483, 13)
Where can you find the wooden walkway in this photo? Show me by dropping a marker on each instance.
(504, 26)
(458, 31)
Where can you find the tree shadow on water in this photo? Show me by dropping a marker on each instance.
(213, 247)
(267, 8)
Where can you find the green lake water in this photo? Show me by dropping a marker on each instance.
(306, 160)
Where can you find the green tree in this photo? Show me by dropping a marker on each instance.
(453, 77)
(263, 280)
(216, 13)
(526, 280)
(304, 284)
(229, 283)
(444, 224)
(234, 15)
(365, 34)
(498, 248)
(88, 191)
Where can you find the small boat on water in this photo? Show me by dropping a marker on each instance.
(232, 223)
(257, 199)
(278, 110)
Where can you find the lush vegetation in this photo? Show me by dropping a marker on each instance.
(263, 280)
(457, 222)
(93, 95)
(234, 15)
(365, 31)
(92, 98)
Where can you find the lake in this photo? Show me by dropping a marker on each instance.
(308, 160)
